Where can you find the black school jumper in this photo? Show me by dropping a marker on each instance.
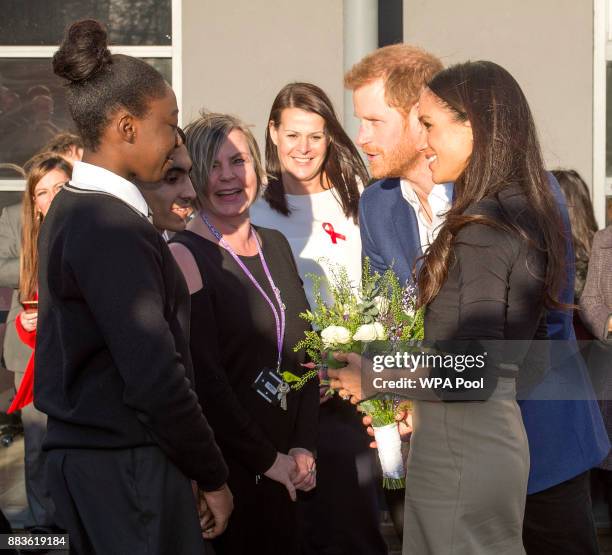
(114, 374)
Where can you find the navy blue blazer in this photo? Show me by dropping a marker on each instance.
(566, 437)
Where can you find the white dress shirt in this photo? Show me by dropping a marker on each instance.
(94, 178)
(440, 199)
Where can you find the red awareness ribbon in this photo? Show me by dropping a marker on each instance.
(329, 229)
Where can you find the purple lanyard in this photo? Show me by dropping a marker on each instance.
(280, 319)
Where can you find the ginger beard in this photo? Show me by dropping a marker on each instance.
(399, 159)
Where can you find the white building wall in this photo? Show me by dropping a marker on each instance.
(547, 45)
(238, 54)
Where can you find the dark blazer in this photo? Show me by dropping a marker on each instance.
(389, 229)
(566, 437)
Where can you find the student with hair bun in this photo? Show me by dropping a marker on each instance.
(126, 434)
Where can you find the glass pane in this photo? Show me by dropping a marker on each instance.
(33, 107)
(609, 119)
(129, 22)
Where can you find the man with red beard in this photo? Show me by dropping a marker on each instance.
(399, 217)
(386, 86)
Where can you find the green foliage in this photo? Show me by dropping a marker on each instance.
(297, 382)
(382, 411)
(380, 299)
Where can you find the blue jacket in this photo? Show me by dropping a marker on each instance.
(566, 437)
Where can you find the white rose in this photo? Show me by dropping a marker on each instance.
(382, 304)
(370, 332)
(335, 335)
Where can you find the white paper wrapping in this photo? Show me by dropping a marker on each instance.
(390, 451)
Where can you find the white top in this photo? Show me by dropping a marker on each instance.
(440, 199)
(309, 241)
(95, 178)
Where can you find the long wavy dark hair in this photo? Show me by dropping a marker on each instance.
(582, 221)
(342, 165)
(580, 208)
(506, 152)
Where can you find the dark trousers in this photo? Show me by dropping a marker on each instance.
(34, 430)
(264, 518)
(5, 528)
(341, 516)
(559, 520)
(605, 478)
(123, 502)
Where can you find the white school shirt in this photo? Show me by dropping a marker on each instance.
(308, 239)
(440, 199)
(94, 178)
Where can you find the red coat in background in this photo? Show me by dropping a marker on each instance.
(25, 394)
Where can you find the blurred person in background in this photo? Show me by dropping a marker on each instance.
(70, 147)
(16, 352)
(47, 173)
(596, 314)
(582, 220)
(66, 144)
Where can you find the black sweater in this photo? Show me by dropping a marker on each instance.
(112, 367)
(249, 430)
(493, 297)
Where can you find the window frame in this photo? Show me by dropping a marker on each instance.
(173, 51)
(602, 54)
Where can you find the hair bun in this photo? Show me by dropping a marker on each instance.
(84, 51)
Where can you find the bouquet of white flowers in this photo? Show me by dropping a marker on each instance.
(379, 309)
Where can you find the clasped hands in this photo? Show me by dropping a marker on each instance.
(296, 471)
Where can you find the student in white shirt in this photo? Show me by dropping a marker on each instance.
(316, 178)
(126, 438)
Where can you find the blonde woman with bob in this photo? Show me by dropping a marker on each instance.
(246, 296)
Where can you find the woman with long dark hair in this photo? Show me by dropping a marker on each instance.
(489, 276)
(315, 180)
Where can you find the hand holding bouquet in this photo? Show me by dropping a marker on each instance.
(379, 309)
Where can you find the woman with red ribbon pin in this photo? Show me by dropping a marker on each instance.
(246, 297)
(316, 178)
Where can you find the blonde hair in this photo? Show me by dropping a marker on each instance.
(204, 137)
(404, 69)
(38, 166)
